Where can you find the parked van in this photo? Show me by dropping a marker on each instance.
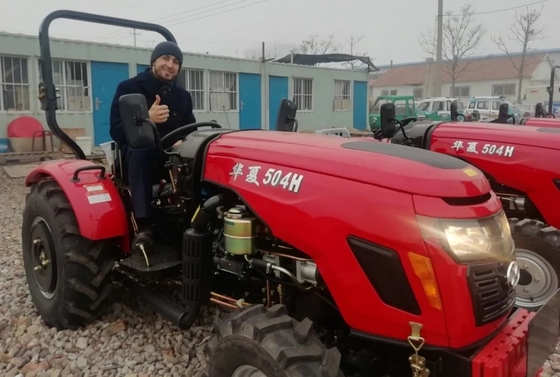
(438, 108)
(489, 107)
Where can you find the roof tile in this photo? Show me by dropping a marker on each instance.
(495, 68)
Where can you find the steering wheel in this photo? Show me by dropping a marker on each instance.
(408, 120)
(182, 132)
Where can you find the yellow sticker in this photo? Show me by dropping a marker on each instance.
(470, 172)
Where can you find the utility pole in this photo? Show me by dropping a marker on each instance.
(439, 59)
(135, 34)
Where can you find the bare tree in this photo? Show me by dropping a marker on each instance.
(352, 43)
(257, 54)
(315, 45)
(461, 36)
(524, 30)
(271, 51)
(252, 54)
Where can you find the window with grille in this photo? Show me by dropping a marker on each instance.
(194, 83)
(418, 93)
(503, 90)
(460, 91)
(14, 84)
(389, 92)
(223, 91)
(303, 93)
(72, 80)
(342, 97)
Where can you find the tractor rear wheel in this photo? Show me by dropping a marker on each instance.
(537, 248)
(69, 276)
(260, 342)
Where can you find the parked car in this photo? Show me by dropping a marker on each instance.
(438, 108)
(404, 108)
(489, 107)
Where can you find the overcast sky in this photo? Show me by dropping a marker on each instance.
(391, 29)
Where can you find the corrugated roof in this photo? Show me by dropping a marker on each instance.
(493, 68)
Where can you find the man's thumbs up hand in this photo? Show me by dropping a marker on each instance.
(158, 113)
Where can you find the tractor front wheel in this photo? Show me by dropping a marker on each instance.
(537, 248)
(260, 342)
(69, 276)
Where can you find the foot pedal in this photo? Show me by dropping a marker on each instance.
(162, 258)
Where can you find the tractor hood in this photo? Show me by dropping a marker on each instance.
(401, 168)
(540, 137)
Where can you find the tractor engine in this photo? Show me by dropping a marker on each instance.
(246, 264)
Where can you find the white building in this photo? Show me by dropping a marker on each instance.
(492, 75)
(237, 93)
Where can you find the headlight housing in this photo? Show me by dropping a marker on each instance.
(471, 240)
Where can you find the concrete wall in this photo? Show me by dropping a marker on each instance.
(322, 116)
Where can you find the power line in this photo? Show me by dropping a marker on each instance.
(499, 10)
(205, 11)
(184, 20)
(215, 14)
(116, 32)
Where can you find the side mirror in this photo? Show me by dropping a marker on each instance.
(135, 118)
(504, 109)
(476, 115)
(387, 115)
(454, 112)
(539, 110)
(286, 116)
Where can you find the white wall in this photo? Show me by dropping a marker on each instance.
(321, 116)
(541, 76)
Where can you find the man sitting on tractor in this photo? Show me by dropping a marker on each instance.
(170, 108)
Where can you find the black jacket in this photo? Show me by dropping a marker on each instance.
(176, 98)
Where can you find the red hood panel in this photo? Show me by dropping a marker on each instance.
(396, 167)
(542, 137)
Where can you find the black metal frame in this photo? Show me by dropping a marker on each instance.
(47, 90)
(551, 93)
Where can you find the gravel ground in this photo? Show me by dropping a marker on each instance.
(131, 340)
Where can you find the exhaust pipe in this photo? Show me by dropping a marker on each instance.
(196, 281)
(180, 316)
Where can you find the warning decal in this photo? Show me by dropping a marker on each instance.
(96, 193)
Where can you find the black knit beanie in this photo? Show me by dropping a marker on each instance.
(167, 48)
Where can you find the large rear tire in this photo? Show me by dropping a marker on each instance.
(537, 248)
(257, 342)
(69, 276)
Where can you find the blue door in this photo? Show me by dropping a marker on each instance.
(104, 80)
(249, 101)
(360, 105)
(141, 68)
(277, 91)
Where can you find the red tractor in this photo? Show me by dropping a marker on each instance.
(521, 164)
(335, 266)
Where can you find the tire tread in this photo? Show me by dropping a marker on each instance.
(86, 264)
(300, 349)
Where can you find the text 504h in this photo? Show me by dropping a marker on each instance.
(477, 148)
(272, 177)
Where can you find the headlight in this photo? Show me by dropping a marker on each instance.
(472, 240)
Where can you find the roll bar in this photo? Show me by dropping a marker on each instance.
(551, 93)
(47, 90)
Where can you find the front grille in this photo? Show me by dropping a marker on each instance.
(490, 293)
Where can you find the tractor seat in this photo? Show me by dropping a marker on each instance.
(112, 151)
